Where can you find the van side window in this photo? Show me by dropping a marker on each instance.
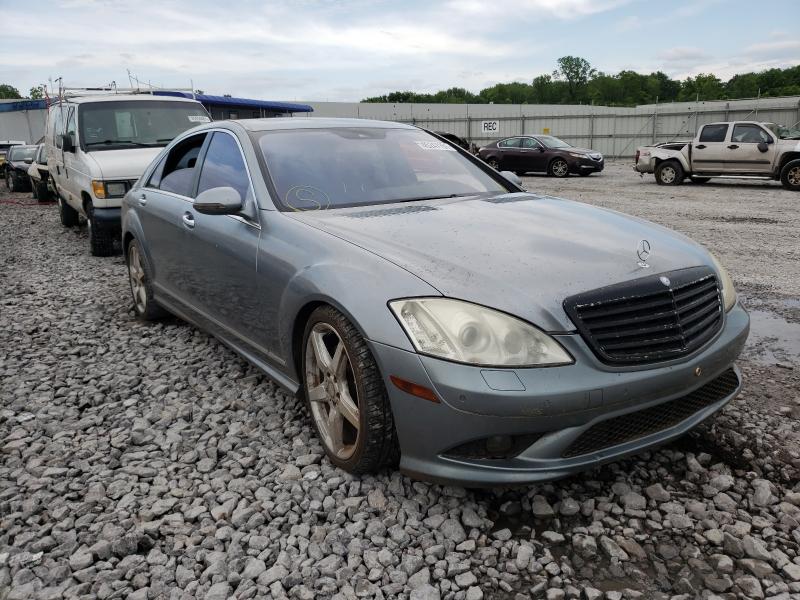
(714, 133)
(71, 125)
(178, 174)
(58, 125)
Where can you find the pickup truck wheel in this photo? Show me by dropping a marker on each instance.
(101, 237)
(68, 215)
(669, 172)
(558, 168)
(700, 179)
(790, 175)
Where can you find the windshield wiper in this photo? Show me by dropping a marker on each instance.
(112, 142)
(421, 198)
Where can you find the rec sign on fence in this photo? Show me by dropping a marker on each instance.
(490, 127)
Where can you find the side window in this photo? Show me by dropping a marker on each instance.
(70, 130)
(155, 177)
(223, 166)
(177, 174)
(714, 133)
(529, 143)
(749, 134)
(58, 125)
(510, 143)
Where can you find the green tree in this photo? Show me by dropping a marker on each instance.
(36, 93)
(576, 71)
(703, 87)
(8, 91)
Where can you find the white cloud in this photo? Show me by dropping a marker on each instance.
(777, 46)
(682, 54)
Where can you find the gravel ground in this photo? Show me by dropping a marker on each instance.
(148, 461)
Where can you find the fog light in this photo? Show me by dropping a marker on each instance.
(499, 444)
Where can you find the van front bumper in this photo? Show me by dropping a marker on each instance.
(108, 217)
(517, 426)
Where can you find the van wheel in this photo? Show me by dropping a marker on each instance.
(346, 396)
(558, 168)
(669, 172)
(101, 237)
(69, 216)
(790, 175)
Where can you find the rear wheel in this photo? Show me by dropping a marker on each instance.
(68, 215)
(346, 396)
(144, 305)
(790, 175)
(558, 168)
(669, 173)
(101, 237)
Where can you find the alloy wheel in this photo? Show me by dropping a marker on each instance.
(560, 168)
(136, 274)
(668, 174)
(332, 391)
(794, 176)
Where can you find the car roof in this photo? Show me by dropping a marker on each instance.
(123, 98)
(272, 124)
(24, 146)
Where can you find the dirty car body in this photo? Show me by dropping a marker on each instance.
(517, 337)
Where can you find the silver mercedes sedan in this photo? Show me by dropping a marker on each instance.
(429, 311)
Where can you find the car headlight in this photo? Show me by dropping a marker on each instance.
(725, 281)
(109, 189)
(576, 154)
(468, 333)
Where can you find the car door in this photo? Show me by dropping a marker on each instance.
(161, 203)
(221, 250)
(532, 156)
(509, 153)
(751, 149)
(710, 152)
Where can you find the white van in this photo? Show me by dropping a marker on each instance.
(98, 146)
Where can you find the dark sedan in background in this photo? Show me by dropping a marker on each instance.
(541, 153)
(18, 161)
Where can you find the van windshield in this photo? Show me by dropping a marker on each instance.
(136, 123)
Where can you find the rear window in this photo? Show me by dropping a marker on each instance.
(714, 133)
(22, 153)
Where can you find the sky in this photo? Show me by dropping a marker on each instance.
(345, 50)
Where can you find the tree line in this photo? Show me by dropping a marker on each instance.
(575, 81)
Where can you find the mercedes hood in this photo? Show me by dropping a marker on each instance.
(520, 253)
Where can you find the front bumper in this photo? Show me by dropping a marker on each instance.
(108, 217)
(555, 404)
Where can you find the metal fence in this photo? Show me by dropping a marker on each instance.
(614, 131)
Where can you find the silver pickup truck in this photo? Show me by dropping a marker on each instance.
(739, 149)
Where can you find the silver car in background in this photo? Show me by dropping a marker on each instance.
(428, 309)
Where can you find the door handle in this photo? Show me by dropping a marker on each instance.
(700, 147)
(188, 220)
(733, 146)
(143, 199)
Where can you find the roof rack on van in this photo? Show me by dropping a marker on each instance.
(71, 92)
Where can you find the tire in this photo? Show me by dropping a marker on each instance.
(11, 182)
(669, 172)
(790, 175)
(558, 168)
(329, 394)
(493, 162)
(42, 191)
(68, 215)
(101, 237)
(140, 279)
(700, 179)
(34, 189)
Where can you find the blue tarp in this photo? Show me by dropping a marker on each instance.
(23, 105)
(210, 100)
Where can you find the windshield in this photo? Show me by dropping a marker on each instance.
(132, 123)
(22, 152)
(784, 133)
(319, 169)
(553, 142)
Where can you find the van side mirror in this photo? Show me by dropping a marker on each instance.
(763, 146)
(218, 201)
(66, 143)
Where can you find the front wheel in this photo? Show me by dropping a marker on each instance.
(345, 395)
(11, 182)
(790, 175)
(34, 189)
(144, 305)
(494, 163)
(67, 214)
(669, 173)
(558, 168)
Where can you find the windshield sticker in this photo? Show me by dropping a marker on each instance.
(435, 146)
(306, 197)
(199, 119)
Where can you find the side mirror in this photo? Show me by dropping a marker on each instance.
(218, 201)
(763, 146)
(66, 143)
(541, 148)
(513, 178)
